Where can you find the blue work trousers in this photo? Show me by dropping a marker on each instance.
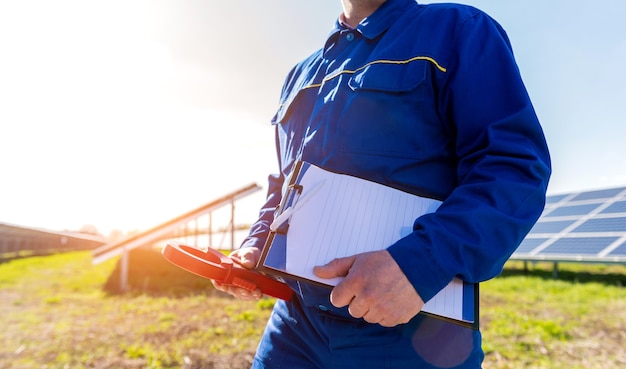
(299, 337)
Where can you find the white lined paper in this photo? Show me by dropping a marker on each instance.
(347, 215)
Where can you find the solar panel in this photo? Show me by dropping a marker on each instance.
(616, 207)
(551, 226)
(584, 226)
(584, 245)
(554, 199)
(573, 210)
(601, 194)
(529, 244)
(603, 225)
(619, 251)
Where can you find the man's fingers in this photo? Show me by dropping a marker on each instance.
(240, 293)
(374, 288)
(338, 267)
(357, 309)
(244, 294)
(246, 257)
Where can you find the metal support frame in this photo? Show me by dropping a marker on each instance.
(164, 231)
(232, 225)
(124, 270)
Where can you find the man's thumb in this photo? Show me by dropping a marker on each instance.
(338, 267)
(247, 262)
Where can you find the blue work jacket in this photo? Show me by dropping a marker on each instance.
(427, 99)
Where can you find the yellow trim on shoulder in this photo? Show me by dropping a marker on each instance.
(383, 61)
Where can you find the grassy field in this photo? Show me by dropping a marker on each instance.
(60, 311)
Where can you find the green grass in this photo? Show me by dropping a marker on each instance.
(60, 311)
(531, 320)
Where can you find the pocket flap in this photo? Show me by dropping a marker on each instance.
(284, 109)
(390, 76)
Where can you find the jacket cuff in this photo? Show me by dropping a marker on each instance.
(415, 259)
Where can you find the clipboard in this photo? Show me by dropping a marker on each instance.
(214, 265)
(324, 215)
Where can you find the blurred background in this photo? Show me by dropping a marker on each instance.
(118, 115)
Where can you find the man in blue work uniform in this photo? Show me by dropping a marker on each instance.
(427, 99)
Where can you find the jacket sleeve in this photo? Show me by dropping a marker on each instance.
(259, 231)
(503, 166)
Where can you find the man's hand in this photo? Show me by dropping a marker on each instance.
(246, 257)
(374, 288)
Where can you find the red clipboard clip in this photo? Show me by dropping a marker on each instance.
(214, 265)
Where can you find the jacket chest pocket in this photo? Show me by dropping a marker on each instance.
(389, 111)
(291, 120)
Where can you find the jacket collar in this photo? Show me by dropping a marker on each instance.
(377, 23)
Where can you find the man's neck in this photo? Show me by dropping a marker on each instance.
(354, 11)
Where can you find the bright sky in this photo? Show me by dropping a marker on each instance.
(123, 114)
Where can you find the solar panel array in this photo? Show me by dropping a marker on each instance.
(583, 226)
